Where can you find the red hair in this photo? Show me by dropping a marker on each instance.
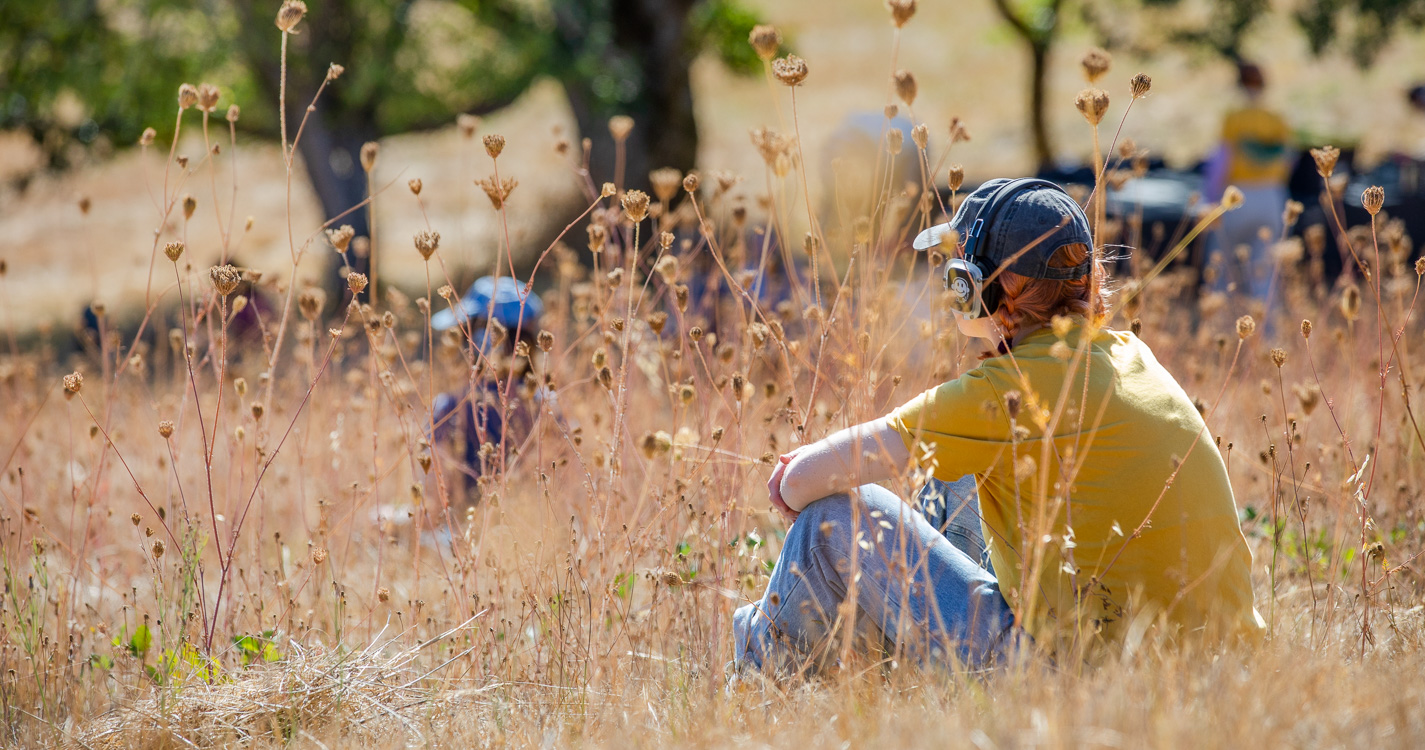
(1029, 303)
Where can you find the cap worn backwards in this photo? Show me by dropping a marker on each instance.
(499, 299)
(1039, 216)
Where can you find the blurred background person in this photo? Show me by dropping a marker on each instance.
(498, 315)
(1416, 97)
(1252, 156)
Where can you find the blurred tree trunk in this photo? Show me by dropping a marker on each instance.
(331, 140)
(1038, 28)
(650, 39)
(1038, 122)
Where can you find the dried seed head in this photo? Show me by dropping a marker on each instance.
(901, 11)
(921, 135)
(174, 250)
(208, 97)
(190, 204)
(957, 176)
(1013, 400)
(1291, 213)
(1351, 302)
(895, 140)
(957, 131)
(290, 14)
(1140, 85)
(468, 124)
(319, 555)
(690, 182)
(415, 185)
(765, 40)
(427, 242)
(234, 112)
(498, 191)
(1305, 328)
(608, 190)
(494, 145)
(620, 126)
(1419, 266)
(545, 340)
(1372, 199)
(667, 266)
(369, 151)
(225, 278)
(258, 410)
(356, 282)
(1095, 63)
(665, 182)
(635, 205)
(1246, 326)
(655, 444)
(311, 301)
(1232, 198)
(146, 139)
(187, 96)
(1278, 357)
(158, 548)
(73, 383)
(598, 235)
(906, 87)
(1325, 158)
(165, 431)
(1092, 104)
(790, 70)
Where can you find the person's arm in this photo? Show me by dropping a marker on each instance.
(866, 453)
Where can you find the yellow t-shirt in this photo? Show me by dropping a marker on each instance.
(1256, 139)
(1188, 570)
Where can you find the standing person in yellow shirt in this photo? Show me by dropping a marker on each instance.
(1253, 156)
(1063, 444)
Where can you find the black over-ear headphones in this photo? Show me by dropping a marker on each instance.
(965, 276)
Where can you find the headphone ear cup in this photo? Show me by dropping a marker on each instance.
(965, 282)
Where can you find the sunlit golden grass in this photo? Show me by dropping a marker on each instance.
(210, 538)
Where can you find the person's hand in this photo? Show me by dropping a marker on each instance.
(774, 487)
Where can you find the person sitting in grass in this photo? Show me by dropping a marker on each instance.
(1102, 500)
(499, 315)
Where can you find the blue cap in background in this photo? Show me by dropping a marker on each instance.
(497, 298)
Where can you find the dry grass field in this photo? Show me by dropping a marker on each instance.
(246, 536)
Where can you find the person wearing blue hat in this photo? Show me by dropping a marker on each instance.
(501, 299)
(495, 313)
(1069, 454)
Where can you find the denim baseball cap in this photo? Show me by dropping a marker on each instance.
(499, 299)
(1037, 209)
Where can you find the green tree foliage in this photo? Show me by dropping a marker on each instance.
(1140, 26)
(1362, 26)
(79, 72)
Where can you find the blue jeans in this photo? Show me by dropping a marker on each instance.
(921, 593)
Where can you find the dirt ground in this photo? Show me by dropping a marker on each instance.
(966, 62)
